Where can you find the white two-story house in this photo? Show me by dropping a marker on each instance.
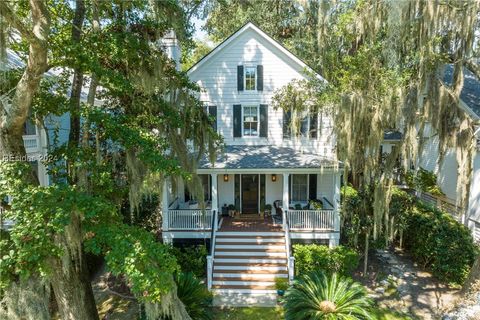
(263, 163)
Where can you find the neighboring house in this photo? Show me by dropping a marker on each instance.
(263, 163)
(447, 173)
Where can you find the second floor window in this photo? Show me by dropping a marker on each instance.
(250, 121)
(29, 128)
(250, 78)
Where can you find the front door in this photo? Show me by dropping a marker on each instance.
(249, 193)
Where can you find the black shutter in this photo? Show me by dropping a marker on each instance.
(259, 77)
(313, 125)
(287, 130)
(212, 112)
(240, 78)
(312, 186)
(237, 120)
(264, 120)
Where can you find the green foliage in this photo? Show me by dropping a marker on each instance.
(316, 204)
(40, 213)
(281, 283)
(192, 259)
(440, 243)
(131, 251)
(194, 55)
(195, 296)
(312, 257)
(318, 296)
(423, 180)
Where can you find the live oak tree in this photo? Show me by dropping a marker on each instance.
(119, 149)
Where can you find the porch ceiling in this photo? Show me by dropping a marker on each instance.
(267, 157)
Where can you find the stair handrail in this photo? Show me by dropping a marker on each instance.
(290, 258)
(210, 258)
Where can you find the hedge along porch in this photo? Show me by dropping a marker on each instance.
(251, 177)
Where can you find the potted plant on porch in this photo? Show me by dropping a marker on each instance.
(281, 284)
(231, 210)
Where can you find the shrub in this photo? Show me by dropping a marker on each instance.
(192, 259)
(195, 296)
(320, 296)
(440, 243)
(423, 180)
(312, 257)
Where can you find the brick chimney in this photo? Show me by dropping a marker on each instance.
(171, 46)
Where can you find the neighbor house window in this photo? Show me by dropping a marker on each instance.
(250, 121)
(299, 187)
(250, 78)
(29, 128)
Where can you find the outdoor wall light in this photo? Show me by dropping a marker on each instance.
(274, 177)
(225, 177)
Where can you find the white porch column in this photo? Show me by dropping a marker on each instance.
(336, 202)
(285, 200)
(165, 206)
(215, 197)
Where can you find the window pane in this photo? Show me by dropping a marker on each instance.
(250, 74)
(299, 187)
(250, 120)
(29, 127)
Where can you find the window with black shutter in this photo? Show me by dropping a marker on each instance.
(240, 78)
(237, 120)
(212, 112)
(264, 120)
(259, 77)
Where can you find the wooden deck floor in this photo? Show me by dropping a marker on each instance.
(253, 224)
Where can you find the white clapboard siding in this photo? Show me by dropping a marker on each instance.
(218, 78)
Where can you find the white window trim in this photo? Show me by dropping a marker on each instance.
(258, 121)
(245, 78)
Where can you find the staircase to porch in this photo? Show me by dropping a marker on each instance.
(246, 265)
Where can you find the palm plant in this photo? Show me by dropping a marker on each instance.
(195, 296)
(317, 296)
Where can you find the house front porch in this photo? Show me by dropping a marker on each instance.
(264, 186)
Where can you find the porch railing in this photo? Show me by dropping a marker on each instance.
(311, 219)
(31, 143)
(189, 219)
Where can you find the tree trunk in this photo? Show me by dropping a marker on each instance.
(365, 258)
(70, 280)
(34, 296)
(473, 277)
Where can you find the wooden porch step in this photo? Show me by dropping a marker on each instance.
(249, 250)
(254, 287)
(252, 271)
(251, 277)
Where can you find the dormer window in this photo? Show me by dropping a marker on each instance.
(250, 78)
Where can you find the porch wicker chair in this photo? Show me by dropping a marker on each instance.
(277, 217)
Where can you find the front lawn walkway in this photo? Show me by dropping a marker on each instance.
(396, 283)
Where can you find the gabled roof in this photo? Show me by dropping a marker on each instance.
(470, 94)
(238, 33)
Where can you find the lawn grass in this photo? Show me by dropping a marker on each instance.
(258, 313)
(254, 313)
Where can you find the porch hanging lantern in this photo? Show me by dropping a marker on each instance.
(225, 177)
(274, 177)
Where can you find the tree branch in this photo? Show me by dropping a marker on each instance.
(15, 114)
(473, 67)
(17, 24)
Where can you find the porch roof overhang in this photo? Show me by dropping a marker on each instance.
(270, 158)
